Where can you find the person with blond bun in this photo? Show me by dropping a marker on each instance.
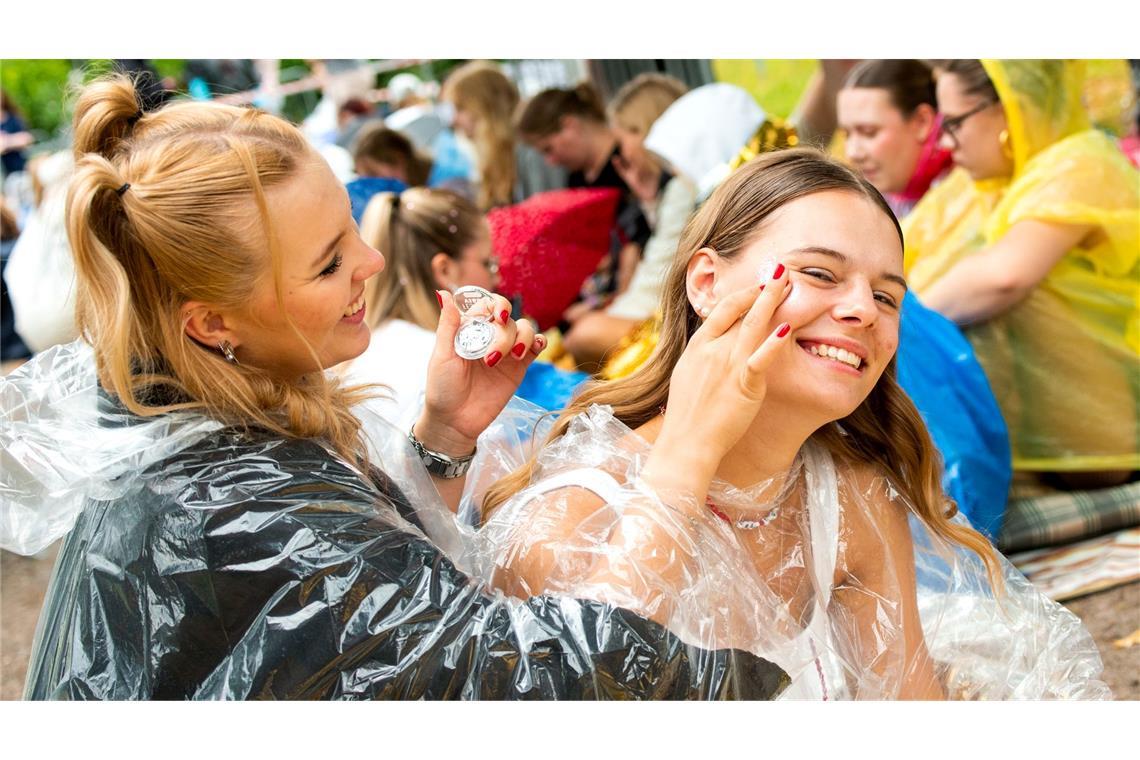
(767, 455)
(432, 240)
(236, 523)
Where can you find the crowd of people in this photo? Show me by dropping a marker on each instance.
(275, 476)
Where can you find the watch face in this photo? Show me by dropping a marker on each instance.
(473, 339)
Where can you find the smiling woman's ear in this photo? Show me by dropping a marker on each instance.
(207, 326)
(700, 280)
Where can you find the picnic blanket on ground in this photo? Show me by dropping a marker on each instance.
(1097, 564)
(1044, 517)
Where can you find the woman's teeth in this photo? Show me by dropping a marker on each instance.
(838, 354)
(354, 307)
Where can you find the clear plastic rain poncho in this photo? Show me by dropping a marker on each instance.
(203, 562)
(209, 563)
(825, 572)
(1063, 363)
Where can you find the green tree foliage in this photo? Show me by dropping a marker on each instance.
(38, 87)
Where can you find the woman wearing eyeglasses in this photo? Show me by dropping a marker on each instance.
(1032, 245)
(432, 240)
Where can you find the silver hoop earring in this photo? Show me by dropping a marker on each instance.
(228, 352)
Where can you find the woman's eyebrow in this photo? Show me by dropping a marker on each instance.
(844, 259)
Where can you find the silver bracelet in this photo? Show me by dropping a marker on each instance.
(440, 465)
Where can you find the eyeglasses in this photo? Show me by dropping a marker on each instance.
(951, 124)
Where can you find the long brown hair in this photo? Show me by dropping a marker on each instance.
(410, 228)
(885, 431)
(168, 207)
(482, 89)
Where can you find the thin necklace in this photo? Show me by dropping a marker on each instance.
(742, 524)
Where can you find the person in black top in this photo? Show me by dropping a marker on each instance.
(570, 129)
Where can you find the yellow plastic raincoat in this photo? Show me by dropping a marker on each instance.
(1065, 362)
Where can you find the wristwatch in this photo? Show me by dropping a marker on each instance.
(440, 465)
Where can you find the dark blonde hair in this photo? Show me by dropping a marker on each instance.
(884, 432)
(410, 228)
(194, 224)
(486, 92)
(642, 100)
(542, 114)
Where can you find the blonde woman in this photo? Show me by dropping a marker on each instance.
(229, 534)
(770, 412)
(432, 240)
(484, 99)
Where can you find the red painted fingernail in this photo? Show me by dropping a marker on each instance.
(783, 330)
(539, 344)
(493, 358)
(779, 271)
(439, 298)
(504, 315)
(761, 288)
(518, 349)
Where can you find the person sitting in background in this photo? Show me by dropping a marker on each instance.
(699, 152)
(381, 152)
(569, 128)
(416, 117)
(351, 117)
(432, 240)
(666, 200)
(889, 118)
(484, 102)
(1032, 246)
(412, 113)
(14, 137)
(41, 269)
(11, 345)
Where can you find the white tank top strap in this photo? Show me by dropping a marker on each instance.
(602, 484)
(823, 517)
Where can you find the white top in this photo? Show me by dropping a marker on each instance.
(703, 130)
(643, 296)
(397, 357)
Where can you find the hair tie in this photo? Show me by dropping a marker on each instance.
(395, 204)
(138, 115)
(126, 186)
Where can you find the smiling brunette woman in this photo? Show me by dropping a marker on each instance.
(770, 410)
